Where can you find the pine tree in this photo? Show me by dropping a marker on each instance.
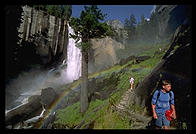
(88, 27)
(130, 27)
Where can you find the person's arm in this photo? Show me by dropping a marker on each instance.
(173, 106)
(154, 112)
(153, 104)
(173, 111)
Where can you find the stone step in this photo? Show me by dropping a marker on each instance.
(120, 107)
(125, 99)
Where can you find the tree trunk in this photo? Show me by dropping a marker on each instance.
(84, 84)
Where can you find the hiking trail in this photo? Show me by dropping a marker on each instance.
(138, 120)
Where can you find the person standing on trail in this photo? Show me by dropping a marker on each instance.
(163, 106)
(131, 82)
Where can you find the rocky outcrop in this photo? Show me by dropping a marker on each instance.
(116, 24)
(122, 34)
(103, 53)
(24, 112)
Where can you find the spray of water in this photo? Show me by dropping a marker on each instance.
(30, 83)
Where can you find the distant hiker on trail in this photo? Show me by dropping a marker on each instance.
(163, 106)
(131, 82)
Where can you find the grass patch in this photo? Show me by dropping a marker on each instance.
(70, 117)
(111, 120)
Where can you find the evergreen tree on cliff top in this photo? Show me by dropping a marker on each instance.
(87, 27)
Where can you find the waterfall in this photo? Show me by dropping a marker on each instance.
(31, 82)
(74, 56)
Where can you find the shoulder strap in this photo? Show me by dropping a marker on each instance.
(157, 96)
(170, 95)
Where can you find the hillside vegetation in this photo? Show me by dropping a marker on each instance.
(115, 80)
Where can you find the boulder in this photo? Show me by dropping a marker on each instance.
(141, 58)
(24, 112)
(48, 96)
(124, 61)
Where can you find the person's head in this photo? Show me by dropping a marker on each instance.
(166, 84)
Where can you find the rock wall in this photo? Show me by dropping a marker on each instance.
(103, 53)
(45, 26)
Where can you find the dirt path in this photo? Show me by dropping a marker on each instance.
(126, 99)
(138, 120)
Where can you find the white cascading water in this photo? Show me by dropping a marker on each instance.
(74, 58)
(32, 82)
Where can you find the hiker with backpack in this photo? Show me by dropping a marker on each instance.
(163, 106)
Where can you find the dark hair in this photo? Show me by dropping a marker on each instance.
(166, 82)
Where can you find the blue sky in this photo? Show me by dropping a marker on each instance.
(119, 12)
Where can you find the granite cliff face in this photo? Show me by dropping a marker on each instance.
(48, 32)
(103, 53)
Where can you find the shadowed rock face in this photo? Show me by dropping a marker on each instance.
(172, 16)
(175, 66)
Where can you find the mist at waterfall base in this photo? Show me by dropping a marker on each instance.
(33, 81)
